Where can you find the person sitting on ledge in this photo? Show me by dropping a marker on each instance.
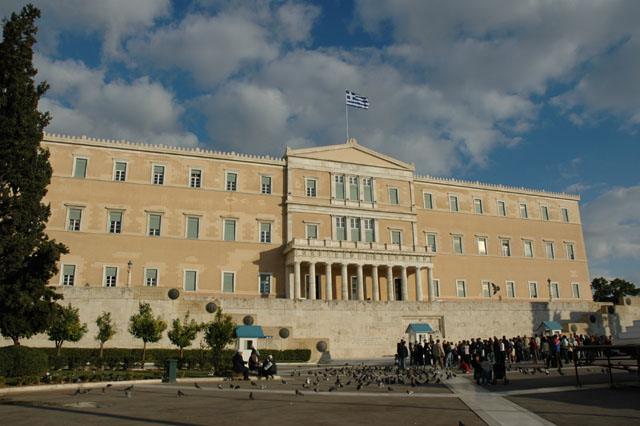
(254, 359)
(268, 368)
(239, 365)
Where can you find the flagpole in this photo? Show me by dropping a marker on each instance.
(346, 108)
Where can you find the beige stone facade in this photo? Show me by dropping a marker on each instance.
(365, 225)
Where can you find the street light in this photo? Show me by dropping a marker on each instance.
(129, 265)
(550, 293)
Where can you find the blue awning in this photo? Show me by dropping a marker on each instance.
(249, 331)
(550, 325)
(419, 328)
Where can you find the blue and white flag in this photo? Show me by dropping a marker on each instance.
(358, 101)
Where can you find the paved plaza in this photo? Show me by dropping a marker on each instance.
(528, 399)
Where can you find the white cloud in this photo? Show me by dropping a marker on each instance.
(82, 102)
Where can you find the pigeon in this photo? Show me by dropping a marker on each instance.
(128, 393)
(109, 385)
(180, 393)
(253, 383)
(299, 393)
(129, 388)
(197, 385)
(332, 388)
(389, 388)
(251, 397)
(219, 386)
(236, 387)
(230, 385)
(410, 392)
(317, 391)
(284, 382)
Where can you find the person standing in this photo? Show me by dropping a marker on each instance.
(438, 354)
(402, 353)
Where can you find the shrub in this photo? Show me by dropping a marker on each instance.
(22, 361)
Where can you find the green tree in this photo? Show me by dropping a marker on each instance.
(66, 327)
(218, 334)
(144, 326)
(106, 329)
(183, 333)
(612, 291)
(28, 259)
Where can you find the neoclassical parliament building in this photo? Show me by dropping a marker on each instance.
(334, 223)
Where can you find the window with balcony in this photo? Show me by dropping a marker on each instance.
(312, 231)
(339, 184)
(341, 228)
(354, 193)
(396, 237)
(367, 188)
(355, 228)
(369, 230)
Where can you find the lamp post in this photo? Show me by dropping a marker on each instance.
(129, 265)
(550, 292)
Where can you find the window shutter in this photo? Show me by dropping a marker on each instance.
(81, 168)
(227, 283)
(190, 280)
(68, 270)
(75, 214)
(229, 230)
(192, 227)
(154, 221)
(115, 216)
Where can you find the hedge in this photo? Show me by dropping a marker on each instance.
(22, 361)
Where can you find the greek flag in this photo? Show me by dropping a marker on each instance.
(358, 101)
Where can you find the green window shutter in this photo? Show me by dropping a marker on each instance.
(342, 233)
(340, 190)
(229, 230)
(193, 223)
(68, 270)
(75, 214)
(353, 191)
(152, 273)
(231, 177)
(110, 271)
(368, 193)
(393, 196)
(115, 216)
(81, 168)
(121, 167)
(227, 283)
(154, 221)
(190, 280)
(355, 234)
(368, 235)
(428, 201)
(312, 231)
(158, 169)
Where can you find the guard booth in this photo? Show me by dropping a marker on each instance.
(549, 328)
(419, 332)
(248, 335)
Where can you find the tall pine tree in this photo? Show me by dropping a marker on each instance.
(28, 259)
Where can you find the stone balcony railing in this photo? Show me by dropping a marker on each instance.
(355, 245)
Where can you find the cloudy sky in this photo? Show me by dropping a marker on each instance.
(540, 94)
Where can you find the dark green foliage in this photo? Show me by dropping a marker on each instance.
(144, 326)
(106, 329)
(66, 326)
(605, 291)
(183, 333)
(218, 334)
(22, 361)
(28, 259)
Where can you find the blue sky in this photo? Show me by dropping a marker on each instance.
(540, 94)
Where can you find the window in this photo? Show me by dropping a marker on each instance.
(575, 289)
(265, 283)
(367, 187)
(354, 193)
(190, 280)
(232, 181)
(154, 224)
(436, 288)
(354, 288)
(550, 250)
(355, 228)
(524, 214)
(461, 288)
(229, 230)
(396, 237)
(311, 187)
(544, 212)
(457, 244)
(393, 196)
(453, 203)
(528, 248)
(68, 274)
(265, 184)
(555, 290)
(506, 247)
(158, 175)
(482, 246)
(75, 216)
(571, 253)
(120, 174)
(151, 277)
(486, 289)
(228, 282)
(80, 168)
(341, 228)
(511, 289)
(369, 230)
(477, 206)
(565, 214)
(502, 208)
(533, 290)
(431, 243)
(265, 232)
(193, 227)
(195, 180)
(427, 200)
(312, 231)
(339, 179)
(110, 276)
(115, 222)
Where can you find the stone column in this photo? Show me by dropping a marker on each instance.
(312, 281)
(376, 282)
(289, 289)
(360, 289)
(390, 283)
(418, 284)
(432, 296)
(328, 292)
(296, 280)
(404, 283)
(345, 288)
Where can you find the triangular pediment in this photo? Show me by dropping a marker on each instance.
(350, 152)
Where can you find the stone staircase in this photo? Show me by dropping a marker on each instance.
(630, 335)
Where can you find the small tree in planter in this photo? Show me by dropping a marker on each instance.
(183, 333)
(106, 329)
(144, 326)
(218, 334)
(66, 327)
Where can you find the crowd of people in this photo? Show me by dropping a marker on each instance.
(485, 356)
